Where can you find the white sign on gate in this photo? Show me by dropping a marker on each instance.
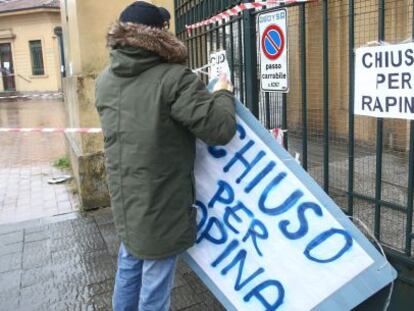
(384, 81)
(219, 64)
(273, 48)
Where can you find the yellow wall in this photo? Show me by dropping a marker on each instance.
(85, 24)
(36, 25)
(169, 5)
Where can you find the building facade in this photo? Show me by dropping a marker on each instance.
(29, 49)
(84, 26)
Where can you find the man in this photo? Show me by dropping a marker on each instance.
(152, 109)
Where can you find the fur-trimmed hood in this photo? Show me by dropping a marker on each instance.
(155, 40)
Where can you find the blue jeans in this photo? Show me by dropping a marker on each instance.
(143, 285)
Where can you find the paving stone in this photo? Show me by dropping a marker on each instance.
(36, 229)
(103, 217)
(67, 256)
(38, 295)
(101, 287)
(11, 248)
(67, 305)
(110, 237)
(197, 307)
(211, 301)
(194, 282)
(85, 273)
(60, 230)
(182, 267)
(85, 230)
(36, 275)
(36, 254)
(10, 262)
(82, 221)
(9, 300)
(90, 243)
(10, 281)
(63, 243)
(11, 238)
(184, 297)
(179, 280)
(101, 302)
(36, 236)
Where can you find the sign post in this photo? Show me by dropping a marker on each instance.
(384, 81)
(274, 74)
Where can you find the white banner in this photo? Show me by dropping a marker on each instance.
(384, 81)
(264, 239)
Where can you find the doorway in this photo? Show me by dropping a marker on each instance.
(6, 67)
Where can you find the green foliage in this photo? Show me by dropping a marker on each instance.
(62, 163)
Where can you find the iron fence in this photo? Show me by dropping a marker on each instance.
(365, 164)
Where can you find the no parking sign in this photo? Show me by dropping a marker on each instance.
(274, 75)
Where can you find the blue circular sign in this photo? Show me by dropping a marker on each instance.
(273, 42)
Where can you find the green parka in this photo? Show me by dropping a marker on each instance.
(152, 108)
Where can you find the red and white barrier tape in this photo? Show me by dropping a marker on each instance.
(49, 130)
(52, 95)
(239, 8)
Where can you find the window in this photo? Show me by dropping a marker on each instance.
(37, 57)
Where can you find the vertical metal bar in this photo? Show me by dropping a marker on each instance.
(217, 37)
(380, 128)
(232, 50)
(210, 32)
(205, 47)
(351, 123)
(177, 18)
(196, 33)
(410, 192)
(284, 120)
(303, 65)
(252, 98)
(241, 61)
(325, 97)
(192, 48)
(223, 41)
(267, 109)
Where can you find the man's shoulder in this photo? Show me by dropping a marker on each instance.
(171, 69)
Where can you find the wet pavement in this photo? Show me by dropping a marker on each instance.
(63, 262)
(68, 262)
(26, 162)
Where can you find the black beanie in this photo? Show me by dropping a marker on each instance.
(141, 12)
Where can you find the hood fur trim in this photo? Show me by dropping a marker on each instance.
(159, 41)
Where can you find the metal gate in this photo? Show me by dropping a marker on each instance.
(365, 164)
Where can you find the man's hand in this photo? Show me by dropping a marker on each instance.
(223, 83)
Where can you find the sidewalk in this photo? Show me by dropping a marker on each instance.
(26, 162)
(68, 262)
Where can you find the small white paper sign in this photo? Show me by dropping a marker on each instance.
(219, 64)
